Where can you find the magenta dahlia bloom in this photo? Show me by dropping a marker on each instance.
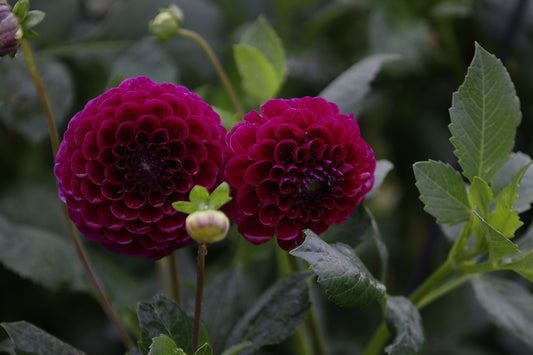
(128, 155)
(300, 164)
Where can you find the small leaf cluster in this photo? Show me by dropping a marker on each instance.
(27, 18)
(201, 199)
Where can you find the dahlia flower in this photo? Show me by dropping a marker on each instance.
(10, 32)
(128, 155)
(299, 164)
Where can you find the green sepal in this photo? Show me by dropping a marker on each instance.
(30, 34)
(21, 9)
(204, 350)
(164, 345)
(184, 207)
(202, 200)
(32, 19)
(219, 197)
(199, 196)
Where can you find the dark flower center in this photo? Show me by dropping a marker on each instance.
(315, 187)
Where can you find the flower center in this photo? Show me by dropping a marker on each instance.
(145, 167)
(315, 187)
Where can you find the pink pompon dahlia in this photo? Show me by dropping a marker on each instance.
(128, 155)
(299, 164)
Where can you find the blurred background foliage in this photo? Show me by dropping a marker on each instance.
(87, 46)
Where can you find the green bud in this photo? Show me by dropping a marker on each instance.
(207, 226)
(167, 23)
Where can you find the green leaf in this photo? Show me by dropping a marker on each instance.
(350, 87)
(508, 172)
(204, 350)
(403, 317)
(275, 315)
(163, 317)
(28, 339)
(222, 306)
(184, 207)
(485, 113)
(21, 9)
(163, 345)
(237, 348)
(383, 167)
(262, 36)
(219, 197)
(259, 78)
(480, 196)
(340, 272)
(504, 218)
(443, 192)
(499, 245)
(523, 266)
(380, 245)
(32, 19)
(40, 256)
(508, 304)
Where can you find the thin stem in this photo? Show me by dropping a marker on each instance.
(443, 289)
(202, 252)
(378, 340)
(174, 278)
(216, 64)
(78, 246)
(316, 334)
(431, 282)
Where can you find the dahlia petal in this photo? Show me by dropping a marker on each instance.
(150, 214)
(254, 231)
(159, 236)
(196, 147)
(262, 150)
(235, 168)
(182, 181)
(138, 227)
(176, 149)
(287, 228)
(284, 202)
(207, 175)
(275, 107)
(147, 123)
(289, 131)
(284, 150)
(82, 126)
(214, 152)
(105, 137)
(176, 127)
(78, 163)
(137, 98)
(292, 243)
(322, 107)
(159, 136)
(112, 192)
(109, 221)
(301, 154)
(303, 118)
(267, 191)
(119, 237)
(318, 131)
(127, 112)
(123, 212)
(90, 147)
(113, 175)
(134, 201)
(253, 117)
(158, 108)
(89, 214)
(125, 132)
(170, 224)
(190, 164)
(244, 136)
(331, 216)
(91, 192)
(338, 153)
(269, 215)
(256, 172)
(200, 128)
(246, 201)
(266, 131)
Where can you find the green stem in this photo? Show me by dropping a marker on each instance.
(431, 282)
(202, 252)
(443, 289)
(216, 64)
(378, 340)
(174, 278)
(75, 238)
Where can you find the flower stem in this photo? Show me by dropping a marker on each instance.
(202, 252)
(174, 278)
(78, 245)
(378, 340)
(216, 64)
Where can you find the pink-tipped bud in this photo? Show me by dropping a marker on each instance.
(207, 226)
(10, 31)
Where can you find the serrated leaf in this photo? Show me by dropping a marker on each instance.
(508, 304)
(522, 266)
(350, 87)
(480, 196)
(262, 36)
(443, 192)
(163, 317)
(222, 307)
(275, 315)
(29, 339)
(383, 167)
(204, 350)
(403, 318)
(163, 345)
(340, 272)
(40, 256)
(508, 172)
(499, 245)
(259, 77)
(485, 113)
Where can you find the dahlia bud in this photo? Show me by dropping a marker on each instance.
(207, 226)
(167, 22)
(10, 31)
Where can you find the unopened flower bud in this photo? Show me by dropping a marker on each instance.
(167, 23)
(207, 226)
(10, 32)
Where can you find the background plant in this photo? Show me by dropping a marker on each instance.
(85, 47)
